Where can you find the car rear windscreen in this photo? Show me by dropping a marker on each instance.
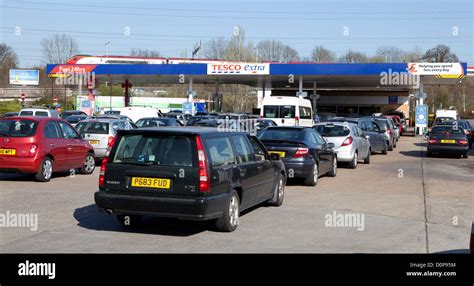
(156, 122)
(18, 128)
(383, 124)
(332, 130)
(93, 127)
(285, 134)
(447, 130)
(169, 150)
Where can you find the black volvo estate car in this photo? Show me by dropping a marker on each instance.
(188, 173)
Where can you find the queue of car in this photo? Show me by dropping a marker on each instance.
(154, 165)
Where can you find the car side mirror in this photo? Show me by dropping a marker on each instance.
(330, 145)
(83, 136)
(274, 156)
(428, 134)
(382, 131)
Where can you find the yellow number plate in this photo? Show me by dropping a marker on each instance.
(8, 152)
(282, 154)
(448, 141)
(94, 142)
(154, 183)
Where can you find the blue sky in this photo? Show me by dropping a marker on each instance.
(171, 27)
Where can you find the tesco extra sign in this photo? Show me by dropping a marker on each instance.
(238, 68)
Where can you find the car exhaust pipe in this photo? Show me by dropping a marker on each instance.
(109, 211)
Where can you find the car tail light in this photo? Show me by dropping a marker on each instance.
(110, 144)
(204, 184)
(432, 141)
(33, 150)
(297, 120)
(301, 152)
(389, 131)
(347, 142)
(111, 141)
(103, 168)
(463, 142)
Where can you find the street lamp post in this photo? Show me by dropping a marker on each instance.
(107, 49)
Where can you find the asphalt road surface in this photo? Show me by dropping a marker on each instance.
(409, 204)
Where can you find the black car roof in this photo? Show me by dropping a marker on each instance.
(289, 127)
(197, 130)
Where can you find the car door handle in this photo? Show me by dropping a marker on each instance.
(52, 144)
(243, 172)
(260, 168)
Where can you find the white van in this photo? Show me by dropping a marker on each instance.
(38, 111)
(287, 110)
(136, 113)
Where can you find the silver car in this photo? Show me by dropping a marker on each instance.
(101, 132)
(350, 142)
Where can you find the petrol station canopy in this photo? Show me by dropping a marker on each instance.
(271, 75)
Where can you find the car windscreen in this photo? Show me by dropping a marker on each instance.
(18, 128)
(332, 130)
(229, 117)
(151, 149)
(93, 127)
(279, 111)
(285, 134)
(446, 130)
(156, 122)
(75, 118)
(41, 113)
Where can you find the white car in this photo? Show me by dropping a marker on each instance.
(350, 142)
(38, 111)
(136, 113)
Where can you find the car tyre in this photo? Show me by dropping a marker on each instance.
(385, 148)
(466, 155)
(390, 147)
(355, 161)
(229, 221)
(278, 192)
(128, 220)
(45, 171)
(367, 159)
(313, 178)
(88, 166)
(333, 171)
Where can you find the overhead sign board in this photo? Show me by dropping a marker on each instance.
(24, 77)
(237, 68)
(67, 70)
(444, 69)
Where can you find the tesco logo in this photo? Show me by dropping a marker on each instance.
(236, 68)
(227, 68)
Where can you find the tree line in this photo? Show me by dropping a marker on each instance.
(59, 48)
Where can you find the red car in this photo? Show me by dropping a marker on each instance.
(41, 146)
(398, 122)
